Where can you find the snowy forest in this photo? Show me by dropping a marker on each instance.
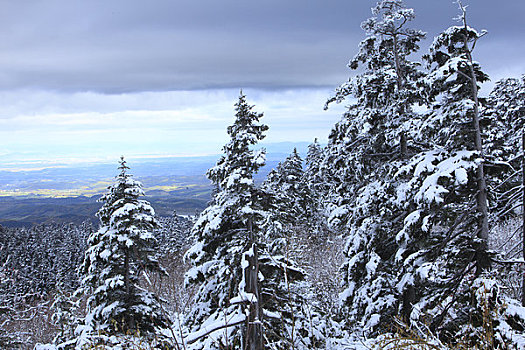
(404, 231)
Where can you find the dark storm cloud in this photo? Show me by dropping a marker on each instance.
(119, 46)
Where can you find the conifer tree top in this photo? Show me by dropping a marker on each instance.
(117, 254)
(239, 160)
(389, 75)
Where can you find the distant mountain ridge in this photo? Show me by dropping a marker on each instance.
(69, 193)
(163, 173)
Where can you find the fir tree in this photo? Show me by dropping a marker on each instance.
(294, 322)
(504, 118)
(239, 258)
(287, 184)
(312, 177)
(318, 187)
(226, 234)
(442, 249)
(118, 254)
(9, 339)
(455, 76)
(374, 137)
(506, 111)
(64, 317)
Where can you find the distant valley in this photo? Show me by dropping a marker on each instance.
(29, 211)
(34, 194)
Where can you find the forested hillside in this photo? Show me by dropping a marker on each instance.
(404, 232)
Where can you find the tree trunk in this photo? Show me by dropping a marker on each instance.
(523, 213)
(409, 297)
(482, 258)
(254, 325)
(399, 73)
(129, 321)
(400, 83)
(403, 144)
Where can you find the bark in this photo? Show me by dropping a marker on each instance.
(130, 322)
(254, 325)
(399, 73)
(523, 213)
(482, 258)
(403, 144)
(409, 297)
(400, 83)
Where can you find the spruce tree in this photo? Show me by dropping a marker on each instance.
(227, 233)
(287, 183)
(373, 138)
(118, 254)
(239, 258)
(442, 255)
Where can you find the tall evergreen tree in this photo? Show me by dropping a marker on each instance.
(437, 186)
(504, 117)
(296, 322)
(118, 254)
(455, 77)
(312, 174)
(442, 248)
(239, 258)
(318, 186)
(374, 137)
(288, 185)
(505, 108)
(225, 235)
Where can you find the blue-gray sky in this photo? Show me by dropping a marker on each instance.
(96, 79)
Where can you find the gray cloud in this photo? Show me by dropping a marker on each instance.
(90, 126)
(127, 46)
(89, 79)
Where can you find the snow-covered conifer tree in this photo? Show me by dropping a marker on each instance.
(294, 322)
(373, 138)
(226, 235)
(237, 233)
(442, 249)
(312, 174)
(287, 184)
(318, 186)
(505, 118)
(506, 109)
(118, 254)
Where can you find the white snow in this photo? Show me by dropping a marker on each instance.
(215, 326)
(372, 264)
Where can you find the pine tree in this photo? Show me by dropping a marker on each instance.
(312, 174)
(227, 233)
(442, 252)
(240, 261)
(118, 254)
(374, 137)
(287, 184)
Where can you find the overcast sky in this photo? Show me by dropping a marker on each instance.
(96, 79)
